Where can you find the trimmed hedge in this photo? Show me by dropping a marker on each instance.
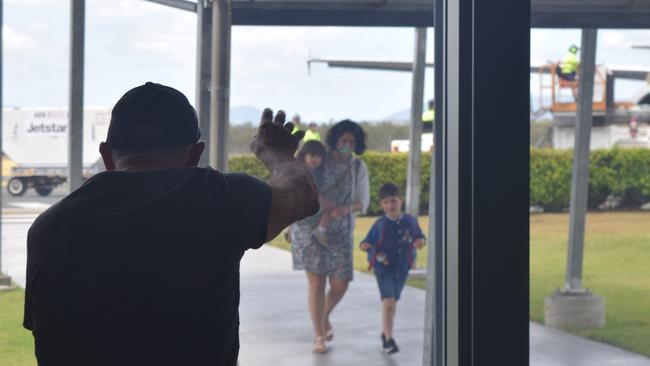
(623, 173)
(250, 165)
(382, 168)
(392, 167)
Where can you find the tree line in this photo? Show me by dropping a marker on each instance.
(379, 135)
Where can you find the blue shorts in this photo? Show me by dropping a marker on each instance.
(390, 280)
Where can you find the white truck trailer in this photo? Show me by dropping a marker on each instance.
(36, 140)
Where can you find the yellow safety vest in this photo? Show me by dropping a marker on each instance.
(569, 63)
(311, 135)
(295, 129)
(429, 116)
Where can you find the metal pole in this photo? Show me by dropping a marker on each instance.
(220, 91)
(580, 180)
(434, 300)
(203, 64)
(1, 147)
(415, 149)
(75, 110)
(433, 316)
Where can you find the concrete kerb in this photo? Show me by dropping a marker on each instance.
(566, 310)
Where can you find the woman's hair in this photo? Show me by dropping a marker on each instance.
(311, 147)
(342, 127)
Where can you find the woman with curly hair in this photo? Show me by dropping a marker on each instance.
(327, 244)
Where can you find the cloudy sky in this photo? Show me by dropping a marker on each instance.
(129, 42)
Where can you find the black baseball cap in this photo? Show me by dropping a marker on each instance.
(152, 116)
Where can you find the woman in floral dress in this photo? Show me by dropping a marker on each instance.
(325, 252)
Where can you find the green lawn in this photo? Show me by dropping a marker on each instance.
(16, 343)
(616, 266)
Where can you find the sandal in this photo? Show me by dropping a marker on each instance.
(329, 335)
(319, 345)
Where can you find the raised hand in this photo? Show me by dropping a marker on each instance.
(294, 194)
(274, 141)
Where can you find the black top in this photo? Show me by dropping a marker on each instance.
(142, 268)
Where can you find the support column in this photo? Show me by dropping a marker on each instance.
(203, 80)
(434, 335)
(75, 109)
(580, 179)
(575, 306)
(5, 281)
(220, 85)
(478, 264)
(415, 136)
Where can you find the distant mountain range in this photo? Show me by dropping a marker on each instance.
(401, 116)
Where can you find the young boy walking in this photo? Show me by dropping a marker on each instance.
(391, 244)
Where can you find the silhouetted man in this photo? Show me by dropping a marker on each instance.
(140, 266)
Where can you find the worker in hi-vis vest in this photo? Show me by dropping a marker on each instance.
(428, 117)
(569, 69)
(312, 133)
(569, 64)
(296, 123)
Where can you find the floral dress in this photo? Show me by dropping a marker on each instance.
(336, 181)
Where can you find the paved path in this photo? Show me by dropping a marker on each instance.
(275, 327)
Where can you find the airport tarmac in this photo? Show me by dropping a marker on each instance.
(31, 201)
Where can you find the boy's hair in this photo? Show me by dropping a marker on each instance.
(311, 147)
(388, 190)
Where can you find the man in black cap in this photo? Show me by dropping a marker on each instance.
(140, 266)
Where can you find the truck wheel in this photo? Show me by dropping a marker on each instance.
(43, 191)
(16, 187)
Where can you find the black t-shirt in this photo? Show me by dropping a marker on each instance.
(142, 268)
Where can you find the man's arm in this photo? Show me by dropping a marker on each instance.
(293, 192)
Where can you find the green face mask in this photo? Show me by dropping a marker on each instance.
(345, 150)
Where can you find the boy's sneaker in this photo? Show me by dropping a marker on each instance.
(390, 346)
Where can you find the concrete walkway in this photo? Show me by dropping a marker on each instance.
(275, 326)
(276, 330)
